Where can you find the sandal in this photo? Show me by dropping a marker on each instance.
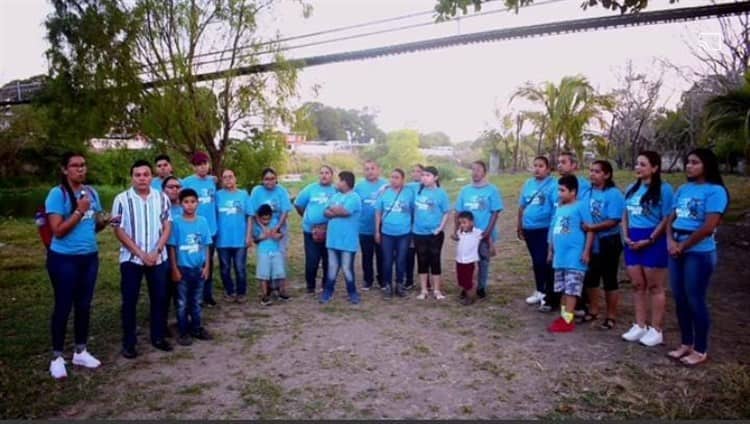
(697, 359)
(587, 318)
(680, 352)
(608, 324)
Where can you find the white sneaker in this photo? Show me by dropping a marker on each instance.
(422, 296)
(535, 298)
(57, 368)
(652, 338)
(85, 359)
(438, 295)
(635, 333)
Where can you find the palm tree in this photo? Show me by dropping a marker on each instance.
(729, 114)
(570, 107)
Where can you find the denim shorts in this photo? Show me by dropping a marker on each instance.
(270, 266)
(654, 256)
(569, 281)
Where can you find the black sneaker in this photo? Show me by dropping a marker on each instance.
(129, 353)
(209, 303)
(265, 301)
(162, 345)
(284, 297)
(409, 286)
(481, 293)
(202, 334)
(462, 296)
(387, 293)
(185, 340)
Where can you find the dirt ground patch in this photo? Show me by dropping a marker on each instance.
(423, 359)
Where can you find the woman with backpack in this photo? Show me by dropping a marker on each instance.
(72, 259)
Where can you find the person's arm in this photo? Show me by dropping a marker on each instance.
(129, 244)
(602, 226)
(282, 221)
(487, 233)
(625, 227)
(519, 224)
(300, 210)
(62, 227)
(162, 243)
(176, 274)
(205, 269)
(249, 232)
(300, 203)
(378, 219)
(587, 249)
(709, 225)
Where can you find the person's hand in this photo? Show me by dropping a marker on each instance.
(328, 213)
(675, 249)
(204, 272)
(377, 238)
(493, 252)
(277, 236)
(586, 257)
(519, 234)
(146, 259)
(638, 245)
(586, 227)
(549, 257)
(176, 275)
(84, 203)
(154, 257)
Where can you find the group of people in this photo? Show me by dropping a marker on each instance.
(171, 229)
(576, 231)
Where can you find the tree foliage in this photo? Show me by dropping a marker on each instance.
(402, 150)
(319, 121)
(434, 139)
(447, 9)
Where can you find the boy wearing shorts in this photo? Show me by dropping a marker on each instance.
(569, 250)
(269, 259)
(467, 255)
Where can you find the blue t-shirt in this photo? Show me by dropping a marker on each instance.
(175, 210)
(368, 191)
(607, 205)
(567, 235)
(692, 203)
(190, 240)
(429, 208)
(414, 185)
(156, 183)
(395, 211)
(537, 204)
(81, 239)
(206, 189)
(314, 199)
(269, 245)
(649, 215)
(231, 218)
(342, 230)
(278, 199)
(482, 202)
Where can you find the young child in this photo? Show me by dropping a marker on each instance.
(269, 259)
(467, 255)
(569, 250)
(188, 257)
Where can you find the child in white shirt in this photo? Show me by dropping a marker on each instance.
(467, 255)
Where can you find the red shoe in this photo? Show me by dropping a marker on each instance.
(560, 326)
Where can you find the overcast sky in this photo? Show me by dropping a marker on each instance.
(454, 90)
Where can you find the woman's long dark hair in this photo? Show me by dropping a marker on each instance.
(607, 168)
(653, 194)
(64, 179)
(711, 171)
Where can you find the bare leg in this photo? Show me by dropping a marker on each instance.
(423, 283)
(655, 283)
(613, 300)
(637, 276)
(594, 295)
(435, 280)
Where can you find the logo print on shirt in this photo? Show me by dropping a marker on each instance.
(192, 243)
(690, 208)
(231, 207)
(424, 203)
(477, 203)
(563, 225)
(596, 208)
(320, 198)
(205, 196)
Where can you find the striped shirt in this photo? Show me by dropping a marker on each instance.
(142, 220)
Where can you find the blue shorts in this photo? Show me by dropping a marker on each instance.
(569, 281)
(654, 256)
(270, 266)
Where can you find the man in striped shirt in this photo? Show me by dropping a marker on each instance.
(144, 227)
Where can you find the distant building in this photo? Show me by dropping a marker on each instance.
(124, 141)
(439, 151)
(295, 139)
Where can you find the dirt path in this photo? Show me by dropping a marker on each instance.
(412, 359)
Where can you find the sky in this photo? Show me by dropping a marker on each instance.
(455, 90)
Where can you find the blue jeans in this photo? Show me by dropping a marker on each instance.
(233, 257)
(157, 279)
(189, 292)
(208, 286)
(411, 255)
(369, 248)
(340, 260)
(484, 264)
(73, 279)
(314, 254)
(689, 276)
(394, 248)
(536, 242)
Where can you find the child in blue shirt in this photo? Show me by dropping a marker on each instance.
(570, 250)
(188, 256)
(269, 259)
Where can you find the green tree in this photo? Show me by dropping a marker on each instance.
(728, 117)
(403, 150)
(446, 9)
(332, 123)
(434, 139)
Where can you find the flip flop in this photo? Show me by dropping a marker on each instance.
(679, 353)
(586, 318)
(608, 324)
(694, 363)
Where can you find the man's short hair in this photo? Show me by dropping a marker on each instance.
(139, 163)
(162, 157)
(188, 192)
(347, 177)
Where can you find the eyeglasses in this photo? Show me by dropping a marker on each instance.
(269, 179)
(172, 186)
(77, 165)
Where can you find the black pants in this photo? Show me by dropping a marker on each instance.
(605, 264)
(428, 249)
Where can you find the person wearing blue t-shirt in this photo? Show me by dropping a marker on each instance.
(163, 170)
(311, 204)
(270, 267)
(534, 216)
(431, 208)
(393, 220)
(232, 236)
(697, 210)
(342, 240)
(72, 259)
(275, 196)
(171, 186)
(205, 185)
(411, 254)
(188, 256)
(485, 202)
(606, 204)
(647, 206)
(570, 250)
(369, 190)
